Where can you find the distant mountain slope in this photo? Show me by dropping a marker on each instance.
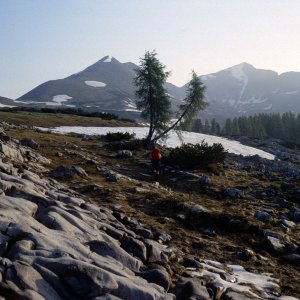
(105, 85)
(245, 90)
(108, 85)
(6, 102)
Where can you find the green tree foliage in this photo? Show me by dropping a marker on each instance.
(119, 136)
(152, 96)
(215, 128)
(198, 156)
(285, 127)
(197, 126)
(227, 130)
(193, 102)
(154, 102)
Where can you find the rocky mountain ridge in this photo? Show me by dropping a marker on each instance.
(62, 243)
(245, 90)
(108, 86)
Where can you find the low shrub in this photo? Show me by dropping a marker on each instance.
(119, 136)
(198, 156)
(134, 144)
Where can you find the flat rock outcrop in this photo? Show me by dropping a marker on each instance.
(56, 244)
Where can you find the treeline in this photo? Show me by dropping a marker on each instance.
(284, 126)
(68, 111)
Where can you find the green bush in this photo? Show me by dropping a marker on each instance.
(119, 136)
(198, 156)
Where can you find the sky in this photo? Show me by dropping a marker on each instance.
(41, 40)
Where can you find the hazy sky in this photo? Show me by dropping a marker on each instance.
(42, 40)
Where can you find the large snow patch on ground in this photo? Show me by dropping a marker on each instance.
(172, 140)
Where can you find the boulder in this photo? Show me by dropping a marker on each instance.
(191, 263)
(199, 209)
(191, 288)
(29, 143)
(27, 277)
(83, 279)
(135, 247)
(216, 289)
(275, 244)
(230, 294)
(145, 233)
(63, 171)
(10, 151)
(157, 252)
(157, 275)
(287, 223)
(204, 180)
(111, 177)
(295, 215)
(293, 259)
(115, 251)
(124, 153)
(163, 237)
(262, 216)
(233, 193)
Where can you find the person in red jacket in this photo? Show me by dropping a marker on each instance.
(156, 157)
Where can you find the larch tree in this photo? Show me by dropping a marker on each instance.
(154, 102)
(193, 102)
(152, 97)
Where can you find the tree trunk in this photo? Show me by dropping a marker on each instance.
(172, 126)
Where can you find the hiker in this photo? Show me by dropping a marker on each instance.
(155, 157)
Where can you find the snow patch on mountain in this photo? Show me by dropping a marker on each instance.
(268, 107)
(238, 73)
(23, 102)
(95, 83)
(208, 76)
(254, 100)
(56, 101)
(4, 105)
(231, 102)
(130, 105)
(61, 98)
(291, 93)
(108, 59)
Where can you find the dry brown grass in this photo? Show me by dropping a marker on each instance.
(158, 209)
(54, 120)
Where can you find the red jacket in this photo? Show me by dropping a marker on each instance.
(155, 154)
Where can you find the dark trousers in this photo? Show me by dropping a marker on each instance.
(156, 166)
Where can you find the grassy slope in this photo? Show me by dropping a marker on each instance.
(53, 120)
(158, 207)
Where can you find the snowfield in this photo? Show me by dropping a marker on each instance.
(173, 140)
(95, 83)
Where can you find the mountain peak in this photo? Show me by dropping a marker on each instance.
(106, 59)
(238, 71)
(241, 66)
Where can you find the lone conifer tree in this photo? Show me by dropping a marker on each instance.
(152, 96)
(154, 102)
(193, 102)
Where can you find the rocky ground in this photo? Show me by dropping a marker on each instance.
(79, 221)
